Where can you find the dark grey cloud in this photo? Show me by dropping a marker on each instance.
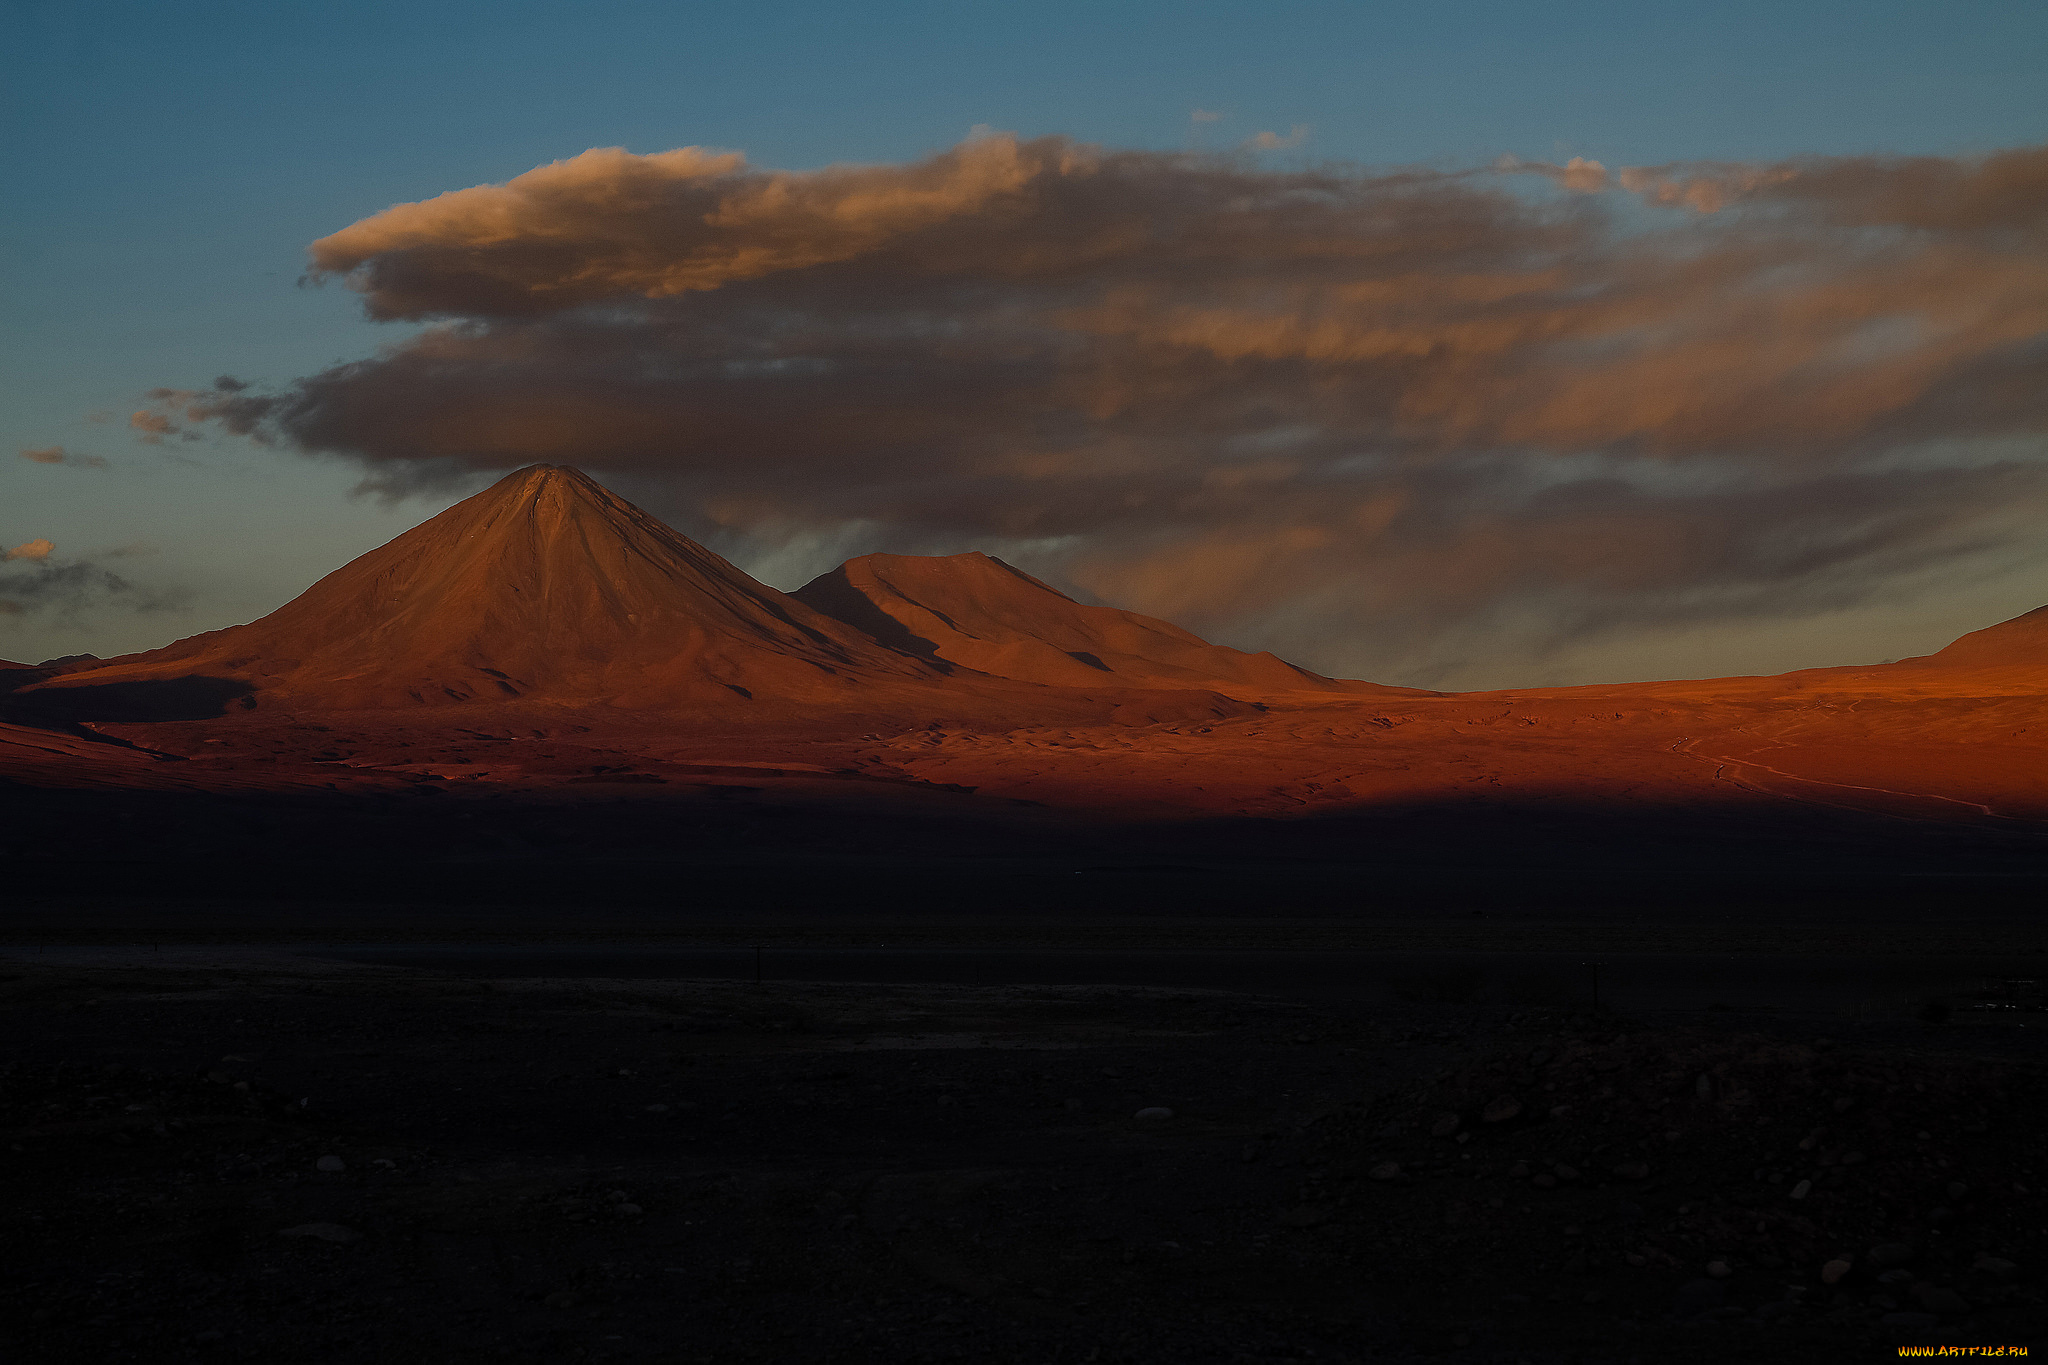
(34, 581)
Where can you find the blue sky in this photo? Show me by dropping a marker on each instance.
(168, 163)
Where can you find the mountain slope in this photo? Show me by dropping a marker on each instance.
(975, 611)
(544, 586)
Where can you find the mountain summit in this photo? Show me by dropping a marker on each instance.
(544, 585)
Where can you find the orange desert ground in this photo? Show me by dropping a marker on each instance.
(546, 645)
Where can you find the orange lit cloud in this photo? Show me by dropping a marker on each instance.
(58, 455)
(1274, 142)
(154, 426)
(1327, 403)
(38, 548)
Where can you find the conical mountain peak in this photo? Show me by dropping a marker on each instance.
(545, 585)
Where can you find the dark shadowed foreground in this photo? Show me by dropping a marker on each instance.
(271, 1155)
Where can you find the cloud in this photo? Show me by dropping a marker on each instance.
(154, 426)
(58, 455)
(1361, 411)
(34, 581)
(1273, 142)
(1203, 116)
(1586, 177)
(2005, 192)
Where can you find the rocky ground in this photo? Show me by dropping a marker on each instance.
(209, 1155)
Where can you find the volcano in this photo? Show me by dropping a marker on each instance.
(974, 611)
(543, 586)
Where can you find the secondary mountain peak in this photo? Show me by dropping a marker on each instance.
(975, 611)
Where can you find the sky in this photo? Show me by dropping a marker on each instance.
(1460, 345)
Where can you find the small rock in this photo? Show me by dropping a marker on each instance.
(1386, 1170)
(1896, 1277)
(1545, 1181)
(1703, 1088)
(1632, 1170)
(628, 1209)
(1996, 1266)
(1920, 1321)
(1802, 1189)
(1696, 1297)
(561, 1298)
(657, 1109)
(209, 1336)
(1885, 1255)
(1445, 1125)
(325, 1232)
(1956, 1190)
(1304, 1216)
(330, 1164)
(1153, 1114)
(1720, 1270)
(1565, 1172)
(1941, 1302)
(1519, 1171)
(1500, 1109)
(1833, 1271)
